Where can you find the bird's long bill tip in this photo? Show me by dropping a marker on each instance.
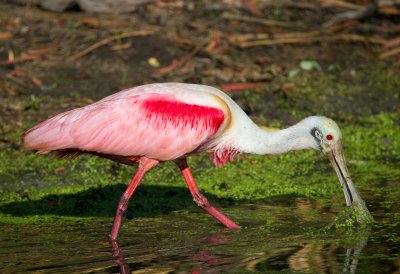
(352, 197)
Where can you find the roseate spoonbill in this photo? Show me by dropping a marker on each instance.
(170, 121)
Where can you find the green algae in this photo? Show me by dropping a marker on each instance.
(354, 216)
(36, 181)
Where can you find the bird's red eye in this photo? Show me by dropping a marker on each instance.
(329, 137)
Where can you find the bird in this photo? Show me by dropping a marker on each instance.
(153, 123)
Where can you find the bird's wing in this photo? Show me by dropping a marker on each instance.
(155, 125)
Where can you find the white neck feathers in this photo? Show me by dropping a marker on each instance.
(260, 141)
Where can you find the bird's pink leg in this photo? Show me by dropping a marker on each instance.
(200, 200)
(145, 164)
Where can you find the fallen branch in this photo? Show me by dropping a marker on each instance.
(340, 4)
(108, 40)
(389, 10)
(266, 22)
(15, 80)
(358, 14)
(214, 41)
(224, 5)
(303, 38)
(392, 43)
(29, 55)
(239, 38)
(389, 53)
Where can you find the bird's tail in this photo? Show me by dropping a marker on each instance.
(46, 136)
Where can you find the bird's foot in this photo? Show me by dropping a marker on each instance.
(202, 201)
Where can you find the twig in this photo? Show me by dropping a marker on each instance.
(267, 22)
(224, 5)
(311, 37)
(176, 63)
(392, 43)
(29, 55)
(340, 4)
(389, 53)
(214, 41)
(389, 7)
(367, 11)
(16, 80)
(389, 10)
(108, 40)
(238, 38)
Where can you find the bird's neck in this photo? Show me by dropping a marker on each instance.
(261, 141)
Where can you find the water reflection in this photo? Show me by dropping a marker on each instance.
(210, 258)
(272, 239)
(309, 258)
(353, 253)
(201, 259)
(118, 258)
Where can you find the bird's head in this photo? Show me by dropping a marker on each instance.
(327, 138)
(325, 132)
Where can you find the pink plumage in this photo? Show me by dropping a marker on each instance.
(146, 124)
(142, 122)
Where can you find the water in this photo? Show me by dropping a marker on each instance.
(274, 238)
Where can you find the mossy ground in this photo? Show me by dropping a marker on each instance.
(35, 186)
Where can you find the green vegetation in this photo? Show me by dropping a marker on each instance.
(36, 188)
(35, 185)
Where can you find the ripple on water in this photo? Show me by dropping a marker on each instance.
(272, 238)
